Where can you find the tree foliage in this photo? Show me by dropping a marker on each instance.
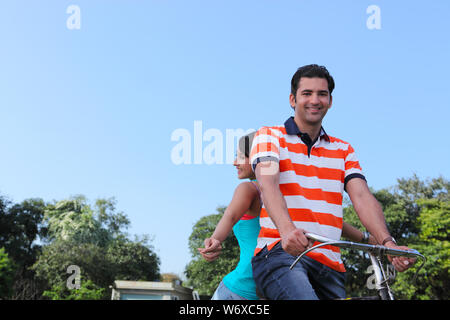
(42, 239)
(20, 227)
(205, 276)
(87, 291)
(417, 215)
(133, 260)
(75, 220)
(94, 239)
(6, 274)
(433, 242)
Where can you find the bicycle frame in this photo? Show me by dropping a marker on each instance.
(381, 281)
(375, 253)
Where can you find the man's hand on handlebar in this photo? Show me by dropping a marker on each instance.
(295, 242)
(400, 263)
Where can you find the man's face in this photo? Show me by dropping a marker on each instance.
(312, 101)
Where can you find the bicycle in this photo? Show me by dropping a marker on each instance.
(375, 253)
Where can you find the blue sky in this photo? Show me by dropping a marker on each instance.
(91, 110)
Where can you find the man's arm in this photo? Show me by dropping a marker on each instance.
(371, 215)
(293, 240)
(368, 209)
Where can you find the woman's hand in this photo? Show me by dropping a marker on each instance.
(212, 249)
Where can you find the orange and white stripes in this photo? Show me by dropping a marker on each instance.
(312, 185)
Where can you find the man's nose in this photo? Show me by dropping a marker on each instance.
(314, 99)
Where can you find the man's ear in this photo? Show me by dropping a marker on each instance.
(292, 101)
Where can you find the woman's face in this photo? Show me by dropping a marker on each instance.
(242, 164)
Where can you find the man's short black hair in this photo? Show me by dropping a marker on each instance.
(311, 71)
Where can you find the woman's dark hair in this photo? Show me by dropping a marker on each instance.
(245, 143)
(311, 71)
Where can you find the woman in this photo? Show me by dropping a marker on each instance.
(241, 216)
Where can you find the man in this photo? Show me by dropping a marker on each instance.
(302, 174)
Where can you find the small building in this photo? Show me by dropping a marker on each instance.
(149, 290)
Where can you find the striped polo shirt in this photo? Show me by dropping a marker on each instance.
(313, 175)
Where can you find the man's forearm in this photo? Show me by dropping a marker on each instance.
(368, 209)
(369, 212)
(371, 215)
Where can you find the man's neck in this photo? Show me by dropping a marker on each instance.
(312, 130)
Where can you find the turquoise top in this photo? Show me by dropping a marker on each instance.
(240, 280)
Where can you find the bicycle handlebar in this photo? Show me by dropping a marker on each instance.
(377, 249)
(373, 249)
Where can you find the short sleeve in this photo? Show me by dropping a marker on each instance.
(352, 166)
(265, 146)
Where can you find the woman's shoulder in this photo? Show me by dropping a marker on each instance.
(247, 187)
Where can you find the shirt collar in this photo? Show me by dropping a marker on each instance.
(291, 128)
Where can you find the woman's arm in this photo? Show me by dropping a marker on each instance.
(242, 199)
(354, 234)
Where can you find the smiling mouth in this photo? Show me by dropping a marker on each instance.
(314, 109)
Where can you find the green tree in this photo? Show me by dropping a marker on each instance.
(433, 242)
(205, 276)
(133, 260)
(20, 227)
(6, 275)
(74, 219)
(87, 291)
(405, 212)
(93, 238)
(59, 255)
